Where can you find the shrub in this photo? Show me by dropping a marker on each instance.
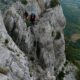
(58, 36)
(78, 75)
(54, 3)
(4, 70)
(24, 2)
(60, 76)
(72, 53)
(6, 41)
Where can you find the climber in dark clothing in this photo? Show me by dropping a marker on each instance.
(32, 22)
(32, 18)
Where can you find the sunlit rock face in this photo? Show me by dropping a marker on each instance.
(43, 44)
(13, 63)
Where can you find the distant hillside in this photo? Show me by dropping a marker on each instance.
(71, 10)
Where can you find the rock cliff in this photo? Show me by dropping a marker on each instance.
(32, 52)
(13, 63)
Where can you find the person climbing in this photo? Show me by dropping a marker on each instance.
(33, 13)
(32, 22)
(32, 18)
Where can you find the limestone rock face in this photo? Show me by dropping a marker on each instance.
(41, 4)
(20, 34)
(43, 44)
(50, 35)
(19, 8)
(47, 2)
(13, 63)
(33, 7)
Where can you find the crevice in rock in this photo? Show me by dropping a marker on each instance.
(32, 58)
(6, 41)
(42, 64)
(58, 35)
(38, 49)
(52, 34)
(60, 76)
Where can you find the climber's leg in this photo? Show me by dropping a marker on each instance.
(31, 29)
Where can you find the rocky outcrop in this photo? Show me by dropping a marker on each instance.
(33, 7)
(32, 52)
(43, 44)
(13, 63)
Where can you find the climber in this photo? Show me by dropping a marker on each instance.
(32, 18)
(32, 22)
(33, 14)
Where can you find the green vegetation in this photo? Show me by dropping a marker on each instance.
(61, 75)
(4, 70)
(78, 75)
(78, 71)
(73, 55)
(58, 35)
(54, 3)
(72, 51)
(24, 2)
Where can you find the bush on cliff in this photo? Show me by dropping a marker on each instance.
(54, 3)
(24, 2)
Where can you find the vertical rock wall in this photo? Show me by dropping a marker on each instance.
(43, 44)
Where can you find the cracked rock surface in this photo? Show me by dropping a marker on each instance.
(32, 52)
(13, 63)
